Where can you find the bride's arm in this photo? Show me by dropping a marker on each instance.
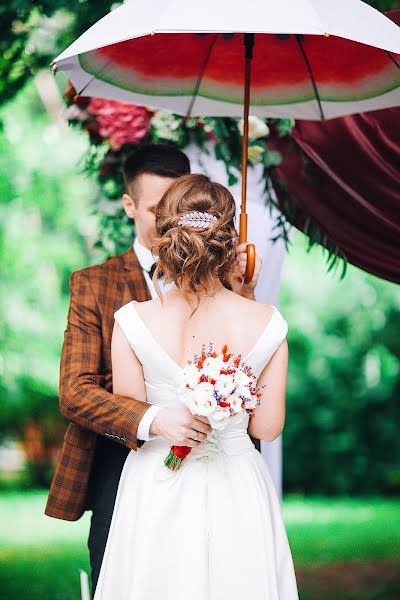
(173, 424)
(127, 371)
(269, 419)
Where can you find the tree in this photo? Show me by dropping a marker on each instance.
(44, 207)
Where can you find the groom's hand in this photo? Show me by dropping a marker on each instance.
(179, 426)
(246, 289)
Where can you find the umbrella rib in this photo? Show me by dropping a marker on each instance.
(94, 77)
(201, 75)
(311, 74)
(392, 59)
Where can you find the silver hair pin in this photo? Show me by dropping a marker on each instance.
(197, 219)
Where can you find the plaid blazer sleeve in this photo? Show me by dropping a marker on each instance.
(83, 397)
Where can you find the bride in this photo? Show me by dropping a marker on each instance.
(214, 528)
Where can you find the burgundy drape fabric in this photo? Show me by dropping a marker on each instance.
(345, 174)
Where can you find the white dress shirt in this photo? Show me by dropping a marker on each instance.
(146, 260)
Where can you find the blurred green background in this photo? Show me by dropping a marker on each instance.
(341, 442)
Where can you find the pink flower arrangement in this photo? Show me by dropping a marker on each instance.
(119, 122)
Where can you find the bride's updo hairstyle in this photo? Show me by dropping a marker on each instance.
(189, 256)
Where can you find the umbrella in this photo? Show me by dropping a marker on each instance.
(307, 59)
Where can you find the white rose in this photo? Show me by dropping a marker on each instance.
(236, 403)
(241, 378)
(225, 385)
(188, 376)
(252, 403)
(203, 399)
(219, 419)
(243, 383)
(187, 399)
(243, 391)
(257, 128)
(212, 367)
(191, 375)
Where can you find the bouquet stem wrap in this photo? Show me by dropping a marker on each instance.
(176, 457)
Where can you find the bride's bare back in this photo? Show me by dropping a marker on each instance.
(226, 318)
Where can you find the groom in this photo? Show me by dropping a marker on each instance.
(104, 427)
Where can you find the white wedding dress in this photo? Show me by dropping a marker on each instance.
(213, 530)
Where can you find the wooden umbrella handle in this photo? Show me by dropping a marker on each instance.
(251, 262)
(250, 249)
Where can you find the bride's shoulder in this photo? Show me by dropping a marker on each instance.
(259, 313)
(250, 311)
(252, 306)
(148, 308)
(123, 310)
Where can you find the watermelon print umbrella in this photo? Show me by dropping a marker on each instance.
(306, 59)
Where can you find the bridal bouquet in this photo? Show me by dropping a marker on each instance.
(216, 386)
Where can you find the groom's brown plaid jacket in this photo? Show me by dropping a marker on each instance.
(85, 379)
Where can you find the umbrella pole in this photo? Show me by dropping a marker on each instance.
(251, 251)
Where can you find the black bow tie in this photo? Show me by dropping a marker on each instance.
(152, 269)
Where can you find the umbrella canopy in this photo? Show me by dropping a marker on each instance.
(312, 59)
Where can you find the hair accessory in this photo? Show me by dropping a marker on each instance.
(197, 219)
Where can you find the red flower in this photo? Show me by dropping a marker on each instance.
(181, 451)
(120, 122)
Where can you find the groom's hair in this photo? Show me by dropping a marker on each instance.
(163, 160)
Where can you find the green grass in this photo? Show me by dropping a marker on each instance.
(326, 530)
(40, 557)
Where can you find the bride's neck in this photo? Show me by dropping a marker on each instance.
(201, 294)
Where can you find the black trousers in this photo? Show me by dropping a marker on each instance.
(108, 462)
